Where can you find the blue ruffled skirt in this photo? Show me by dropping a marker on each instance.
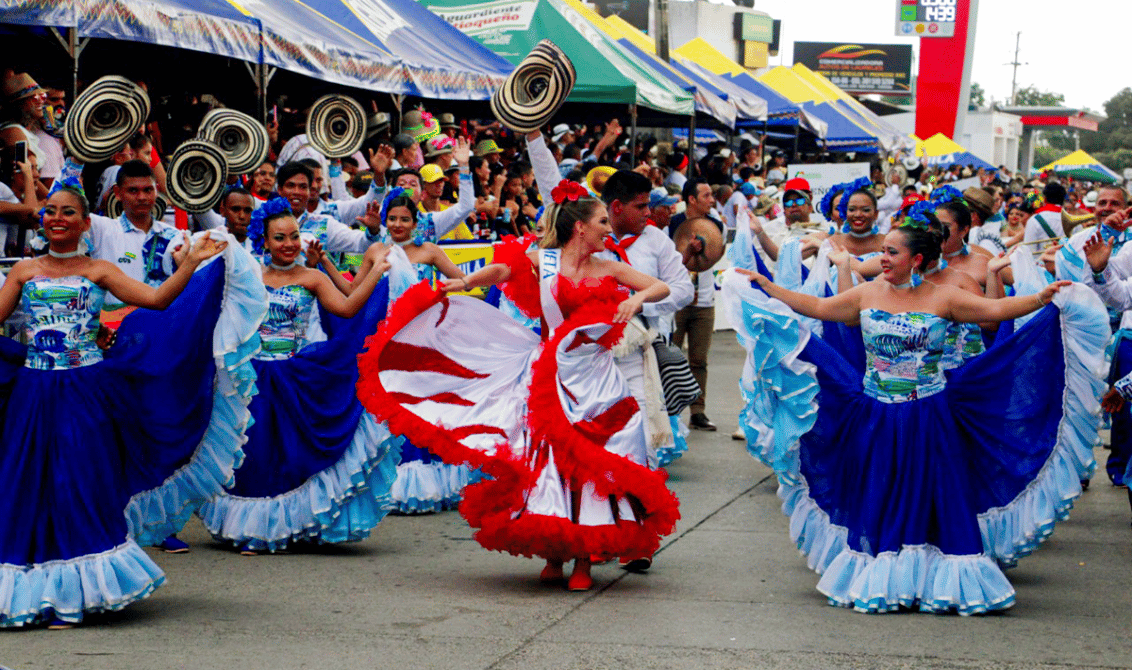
(317, 466)
(100, 459)
(920, 504)
(427, 484)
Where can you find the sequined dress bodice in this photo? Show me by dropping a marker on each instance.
(903, 354)
(283, 331)
(62, 322)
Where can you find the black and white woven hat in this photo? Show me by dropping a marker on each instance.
(104, 117)
(336, 126)
(532, 94)
(243, 140)
(197, 174)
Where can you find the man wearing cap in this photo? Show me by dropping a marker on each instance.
(24, 121)
(660, 207)
(985, 232)
(430, 191)
(562, 135)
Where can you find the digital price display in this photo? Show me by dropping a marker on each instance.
(925, 18)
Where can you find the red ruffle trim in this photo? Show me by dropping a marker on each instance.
(494, 506)
(522, 289)
(388, 407)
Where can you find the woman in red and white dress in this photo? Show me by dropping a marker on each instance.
(550, 421)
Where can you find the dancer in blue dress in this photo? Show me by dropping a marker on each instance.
(424, 482)
(317, 467)
(908, 486)
(101, 451)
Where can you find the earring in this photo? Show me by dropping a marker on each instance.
(916, 278)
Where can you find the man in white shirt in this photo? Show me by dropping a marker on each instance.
(649, 250)
(140, 246)
(1046, 222)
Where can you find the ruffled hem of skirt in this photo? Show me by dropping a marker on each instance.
(422, 488)
(69, 589)
(342, 503)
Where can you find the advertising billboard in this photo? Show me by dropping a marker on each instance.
(885, 69)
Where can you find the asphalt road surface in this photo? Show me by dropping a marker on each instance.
(728, 590)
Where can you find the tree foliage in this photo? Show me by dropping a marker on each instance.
(1030, 95)
(978, 96)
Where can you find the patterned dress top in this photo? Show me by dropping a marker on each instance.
(964, 341)
(283, 331)
(903, 354)
(62, 323)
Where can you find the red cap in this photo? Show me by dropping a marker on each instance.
(796, 184)
(911, 200)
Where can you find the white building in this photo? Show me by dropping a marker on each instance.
(993, 136)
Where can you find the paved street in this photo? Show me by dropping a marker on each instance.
(728, 590)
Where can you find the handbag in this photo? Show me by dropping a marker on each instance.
(680, 386)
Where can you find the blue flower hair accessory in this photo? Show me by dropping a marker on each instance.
(917, 216)
(256, 230)
(393, 194)
(826, 204)
(849, 189)
(945, 194)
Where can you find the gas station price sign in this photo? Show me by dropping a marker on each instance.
(925, 18)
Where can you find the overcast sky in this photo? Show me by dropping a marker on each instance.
(1069, 46)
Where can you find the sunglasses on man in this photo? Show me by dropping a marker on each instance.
(795, 202)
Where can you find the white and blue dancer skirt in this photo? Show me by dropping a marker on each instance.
(317, 467)
(919, 504)
(100, 459)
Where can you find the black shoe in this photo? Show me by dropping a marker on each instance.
(701, 422)
(1084, 484)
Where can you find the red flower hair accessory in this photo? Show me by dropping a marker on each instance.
(568, 190)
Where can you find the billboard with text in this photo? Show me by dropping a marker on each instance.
(885, 69)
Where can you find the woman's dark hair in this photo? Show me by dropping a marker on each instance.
(400, 201)
(560, 221)
(961, 213)
(866, 192)
(925, 239)
(474, 163)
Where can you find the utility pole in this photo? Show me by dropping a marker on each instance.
(1015, 63)
(662, 30)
